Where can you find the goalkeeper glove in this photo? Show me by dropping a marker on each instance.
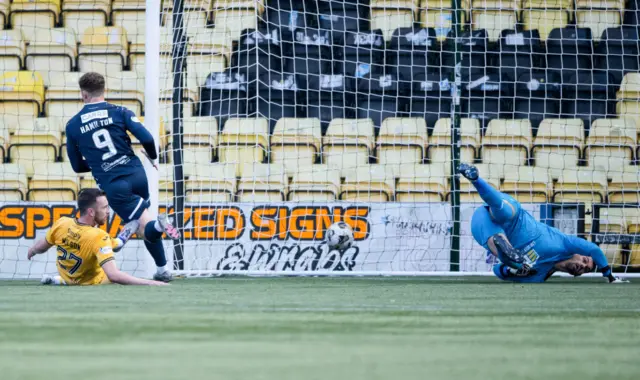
(606, 272)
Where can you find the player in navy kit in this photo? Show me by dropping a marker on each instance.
(530, 251)
(97, 141)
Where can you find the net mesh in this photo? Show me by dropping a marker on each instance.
(299, 114)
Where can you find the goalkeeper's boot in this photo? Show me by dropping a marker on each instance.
(167, 227)
(468, 171)
(123, 237)
(512, 257)
(48, 279)
(165, 276)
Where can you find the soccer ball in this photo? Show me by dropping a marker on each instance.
(339, 236)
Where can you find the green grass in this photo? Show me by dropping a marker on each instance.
(321, 328)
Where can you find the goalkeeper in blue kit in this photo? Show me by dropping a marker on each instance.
(529, 251)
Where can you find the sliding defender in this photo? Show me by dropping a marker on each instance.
(85, 252)
(529, 251)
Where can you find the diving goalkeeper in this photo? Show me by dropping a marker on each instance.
(85, 253)
(529, 251)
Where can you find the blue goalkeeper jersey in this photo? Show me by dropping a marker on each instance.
(97, 141)
(544, 245)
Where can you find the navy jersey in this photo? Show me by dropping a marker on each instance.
(97, 141)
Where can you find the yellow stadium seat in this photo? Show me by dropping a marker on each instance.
(4, 12)
(52, 51)
(611, 144)
(628, 105)
(439, 149)
(315, 183)
(422, 183)
(199, 139)
(4, 142)
(79, 15)
(295, 143)
(625, 186)
(581, 185)
(558, 145)
(348, 143)
(402, 141)
(63, 97)
(507, 142)
(30, 15)
(54, 182)
(165, 183)
(494, 16)
(130, 15)
(262, 183)
(12, 50)
(21, 94)
(208, 52)
(599, 15)
(86, 181)
(492, 174)
(125, 89)
(103, 50)
(33, 143)
(391, 15)
(368, 183)
(195, 17)
(634, 228)
(546, 15)
(136, 56)
(235, 16)
(439, 19)
(244, 140)
(527, 184)
(13, 183)
(614, 220)
(211, 183)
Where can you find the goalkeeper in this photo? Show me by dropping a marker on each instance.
(529, 251)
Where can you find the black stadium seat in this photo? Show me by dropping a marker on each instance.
(482, 99)
(256, 53)
(518, 52)
(569, 51)
(537, 97)
(309, 53)
(378, 99)
(288, 15)
(414, 51)
(277, 98)
(589, 96)
(340, 16)
(472, 47)
(329, 97)
(429, 98)
(618, 52)
(363, 53)
(224, 95)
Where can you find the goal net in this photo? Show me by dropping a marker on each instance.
(277, 118)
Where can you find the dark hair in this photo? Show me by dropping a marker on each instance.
(92, 83)
(87, 199)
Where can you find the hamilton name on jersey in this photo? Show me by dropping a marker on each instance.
(106, 121)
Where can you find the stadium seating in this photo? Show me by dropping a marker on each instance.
(243, 140)
(507, 142)
(13, 183)
(369, 183)
(402, 140)
(79, 15)
(527, 184)
(51, 51)
(295, 143)
(390, 15)
(262, 183)
(4, 13)
(200, 139)
(611, 145)
(558, 145)
(22, 94)
(348, 143)
(599, 15)
(211, 182)
(623, 187)
(580, 185)
(103, 49)
(546, 15)
(422, 183)
(315, 183)
(628, 96)
(34, 143)
(439, 149)
(494, 16)
(53, 182)
(31, 15)
(232, 15)
(129, 15)
(12, 50)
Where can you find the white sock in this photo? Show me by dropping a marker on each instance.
(157, 226)
(162, 269)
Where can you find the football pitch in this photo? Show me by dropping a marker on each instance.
(322, 328)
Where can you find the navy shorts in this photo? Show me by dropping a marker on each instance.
(128, 195)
